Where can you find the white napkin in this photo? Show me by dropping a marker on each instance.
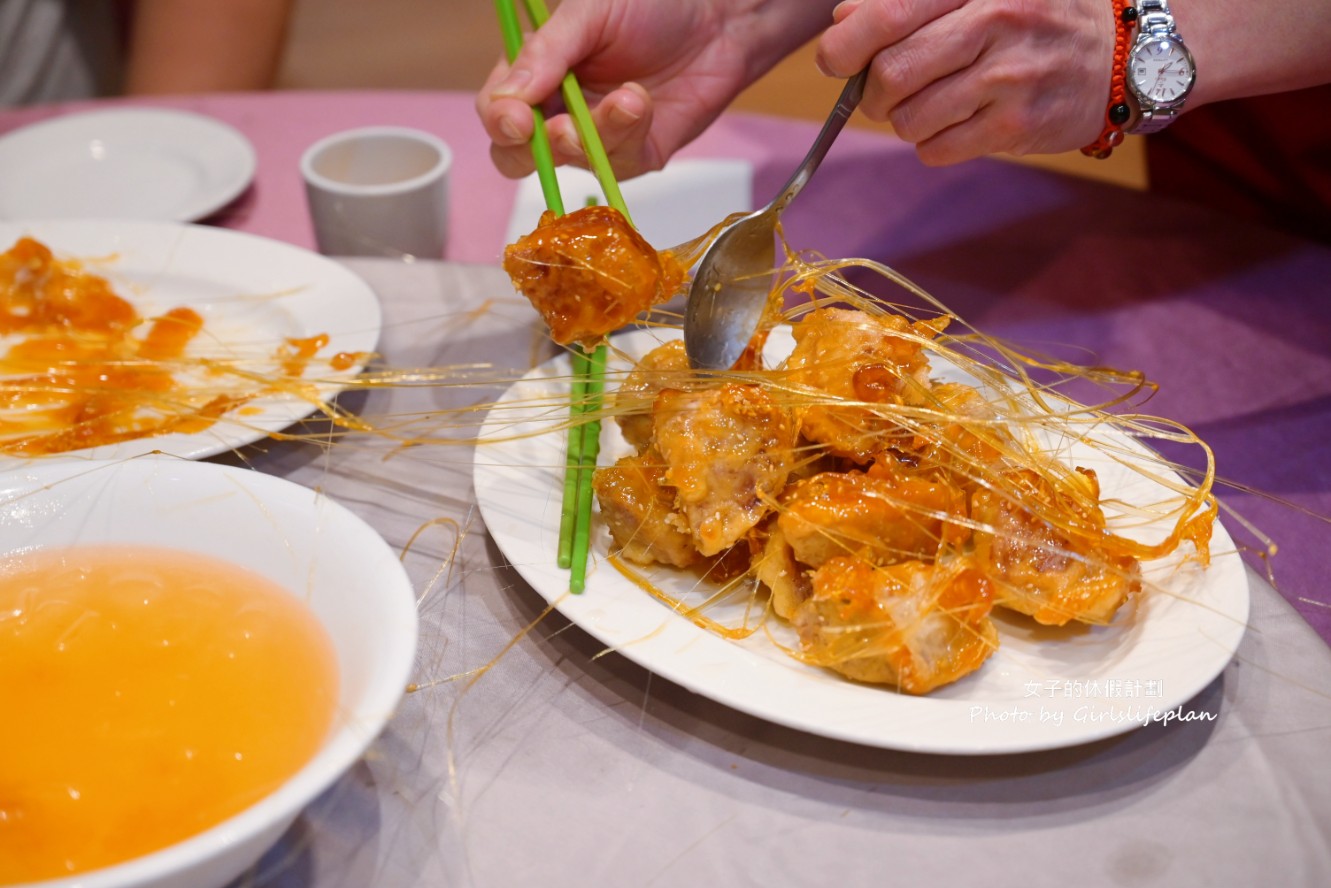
(669, 207)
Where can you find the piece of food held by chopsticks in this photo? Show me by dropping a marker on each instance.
(568, 268)
(590, 272)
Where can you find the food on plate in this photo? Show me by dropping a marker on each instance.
(883, 513)
(727, 453)
(857, 358)
(150, 694)
(80, 367)
(914, 624)
(1046, 546)
(590, 272)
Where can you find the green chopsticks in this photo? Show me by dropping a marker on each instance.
(582, 122)
(588, 370)
(540, 140)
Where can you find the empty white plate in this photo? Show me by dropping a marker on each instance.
(125, 163)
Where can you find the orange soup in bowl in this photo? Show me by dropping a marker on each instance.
(149, 694)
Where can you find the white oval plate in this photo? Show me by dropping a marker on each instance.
(124, 163)
(296, 537)
(252, 293)
(1042, 689)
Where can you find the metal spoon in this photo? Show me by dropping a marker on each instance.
(734, 276)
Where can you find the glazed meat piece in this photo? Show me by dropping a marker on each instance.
(864, 361)
(914, 625)
(589, 273)
(666, 366)
(966, 442)
(883, 516)
(638, 507)
(1047, 549)
(776, 568)
(728, 451)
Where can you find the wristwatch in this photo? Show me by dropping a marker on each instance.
(1160, 68)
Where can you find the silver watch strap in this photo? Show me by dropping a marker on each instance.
(1153, 121)
(1154, 20)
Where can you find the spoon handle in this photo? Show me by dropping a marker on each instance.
(845, 106)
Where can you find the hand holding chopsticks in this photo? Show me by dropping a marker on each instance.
(588, 378)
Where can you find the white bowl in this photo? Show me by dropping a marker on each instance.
(296, 537)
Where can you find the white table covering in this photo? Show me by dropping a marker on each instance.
(556, 767)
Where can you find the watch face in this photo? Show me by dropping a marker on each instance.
(1161, 71)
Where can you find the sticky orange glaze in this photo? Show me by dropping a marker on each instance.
(589, 272)
(83, 371)
(297, 353)
(148, 695)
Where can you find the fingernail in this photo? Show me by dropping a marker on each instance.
(513, 83)
(844, 8)
(822, 66)
(569, 144)
(624, 116)
(510, 129)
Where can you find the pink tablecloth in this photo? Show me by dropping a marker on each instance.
(1232, 321)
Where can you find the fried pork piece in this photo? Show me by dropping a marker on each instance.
(666, 366)
(775, 567)
(1048, 551)
(638, 507)
(884, 515)
(864, 360)
(589, 272)
(967, 444)
(914, 625)
(728, 452)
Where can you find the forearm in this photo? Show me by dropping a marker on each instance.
(182, 46)
(1245, 49)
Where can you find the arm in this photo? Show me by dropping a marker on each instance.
(181, 46)
(655, 74)
(965, 78)
(1243, 50)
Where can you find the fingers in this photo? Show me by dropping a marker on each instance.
(965, 78)
(903, 71)
(505, 101)
(548, 54)
(509, 124)
(863, 27)
(623, 119)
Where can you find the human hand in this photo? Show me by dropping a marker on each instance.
(655, 75)
(966, 78)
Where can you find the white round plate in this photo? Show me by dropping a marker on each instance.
(252, 293)
(297, 538)
(1043, 688)
(126, 163)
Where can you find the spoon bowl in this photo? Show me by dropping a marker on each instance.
(733, 280)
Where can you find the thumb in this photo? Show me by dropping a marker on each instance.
(546, 56)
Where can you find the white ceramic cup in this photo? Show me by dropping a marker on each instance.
(379, 191)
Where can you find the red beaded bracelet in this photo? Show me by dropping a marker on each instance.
(1118, 112)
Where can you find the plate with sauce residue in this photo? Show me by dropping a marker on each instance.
(1043, 688)
(260, 301)
(123, 163)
